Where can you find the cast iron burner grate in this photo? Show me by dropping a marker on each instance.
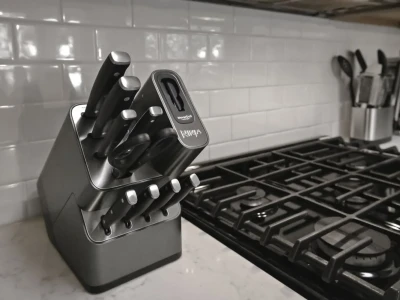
(322, 216)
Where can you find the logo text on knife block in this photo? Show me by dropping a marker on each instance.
(185, 118)
(189, 133)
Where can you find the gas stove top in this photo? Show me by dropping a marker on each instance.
(322, 216)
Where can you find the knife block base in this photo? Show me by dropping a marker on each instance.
(102, 266)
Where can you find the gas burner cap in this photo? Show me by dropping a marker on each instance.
(255, 200)
(361, 165)
(348, 235)
(250, 202)
(357, 200)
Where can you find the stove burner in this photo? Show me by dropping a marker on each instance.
(352, 182)
(356, 202)
(252, 201)
(256, 200)
(349, 234)
(358, 165)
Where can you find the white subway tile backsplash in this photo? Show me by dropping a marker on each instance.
(324, 93)
(284, 25)
(229, 102)
(323, 129)
(198, 48)
(12, 201)
(203, 156)
(257, 78)
(323, 51)
(42, 121)
(45, 42)
(308, 116)
(78, 81)
(209, 75)
(266, 98)
(143, 70)
(31, 190)
(141, 45)
(251, 21)
(97, 12)
(44, 10)
(210, 17)
(318, 29)
(281, 138)
(21, 84)
(297, 95)
(229, 149)
(268, 141)
(280, 120)
(6, 45)
(229, 47)
(248, 74)
(10, 124)
(201, 101)
(248, 125)
(24, 161)
(298, 50)
(219, 129)
(172, 14)
(174, 46)
(285, 73)
(267, 49)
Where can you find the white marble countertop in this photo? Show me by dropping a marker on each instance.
(30, 268)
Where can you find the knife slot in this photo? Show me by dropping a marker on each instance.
(173, 93)
(176, 98)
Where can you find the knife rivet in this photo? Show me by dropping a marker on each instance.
(122, 200)
(116, 74)
(126, 99)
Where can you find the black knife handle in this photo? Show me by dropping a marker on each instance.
(126, 153)
(166, 193)
(118, 129)
(119, 98)
(383, 61)
(361, 60)
(145, 124)
(144, 201)
(160, 144)
(117, 210)
(188, 185)
(113, 68)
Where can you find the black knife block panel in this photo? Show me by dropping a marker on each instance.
(76, 189)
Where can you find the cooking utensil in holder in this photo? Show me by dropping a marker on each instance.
(372, 124)
(78, 189)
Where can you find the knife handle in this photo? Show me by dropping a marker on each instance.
(119, 98)
(118, 209)
(145, 200)
(383, 61)
(113, 68)
(188, 185)
(126, 153)
(145, 124)
(166, 193)
(160, 143)
(117, 131)
(361, 60)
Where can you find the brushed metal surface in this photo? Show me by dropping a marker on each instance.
(371, 124)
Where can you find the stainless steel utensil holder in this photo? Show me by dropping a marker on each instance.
(372, 124)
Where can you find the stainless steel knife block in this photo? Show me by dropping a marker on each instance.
(372, 124)
(76, 189)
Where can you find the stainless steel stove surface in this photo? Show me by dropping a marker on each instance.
(322, 216)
